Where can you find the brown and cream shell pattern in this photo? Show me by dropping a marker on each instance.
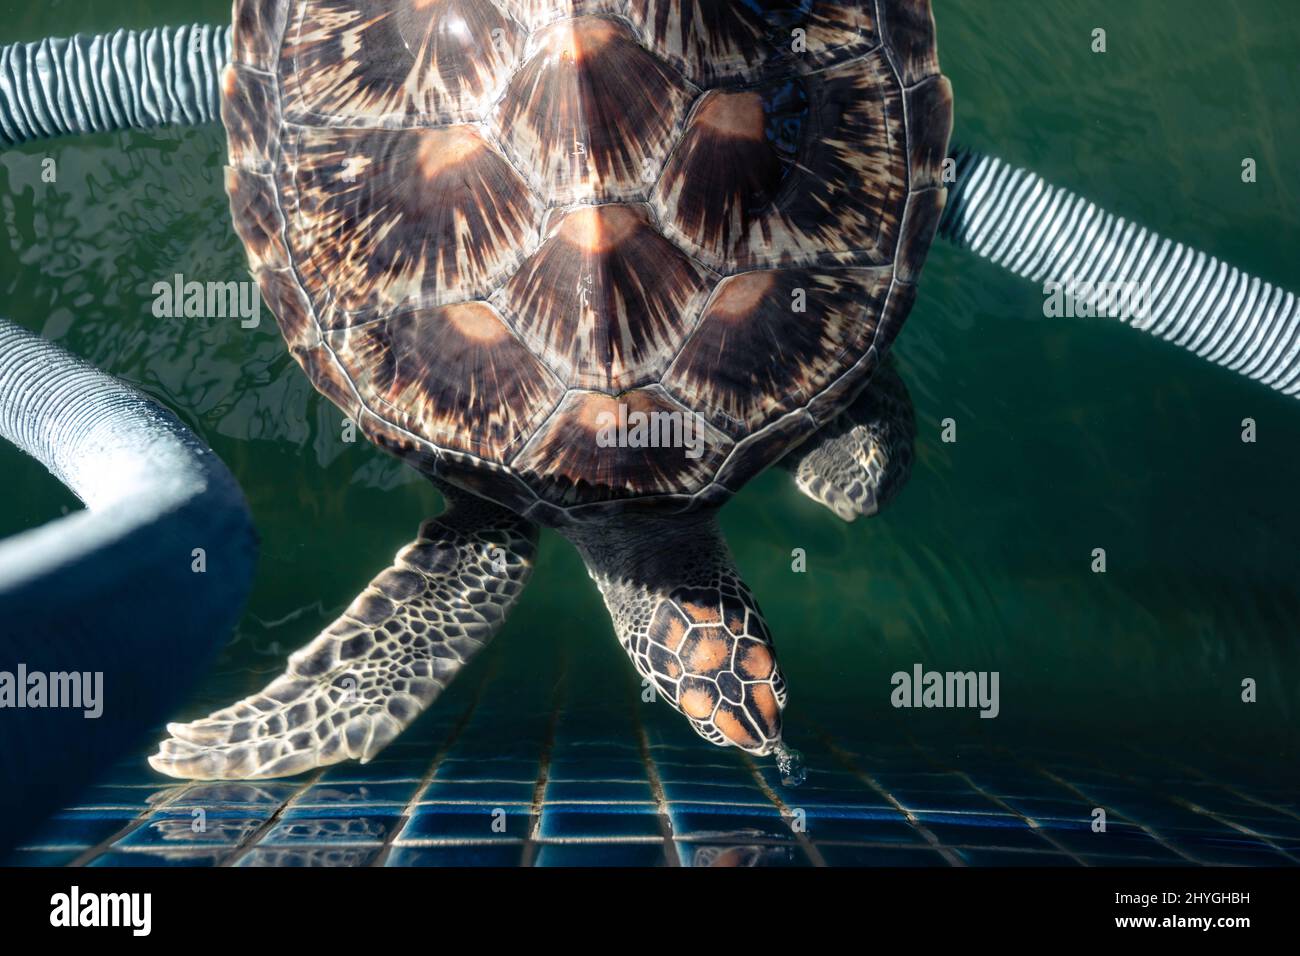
(487, 226)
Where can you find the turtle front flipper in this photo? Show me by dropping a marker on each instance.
(689, 623)
(368, 675)
(858, 462)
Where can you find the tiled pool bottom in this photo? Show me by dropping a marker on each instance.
(621, 784)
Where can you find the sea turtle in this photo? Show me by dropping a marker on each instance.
(590, 265)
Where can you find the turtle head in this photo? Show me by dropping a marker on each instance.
(690, 625)
(708, 651)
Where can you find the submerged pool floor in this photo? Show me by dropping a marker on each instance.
(606, 785)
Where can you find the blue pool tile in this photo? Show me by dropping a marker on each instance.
(232, 794)
(494, 854)
(311, 856)
(572, 742)
(849, 811)
(732, 776)
(214, 828)
(42, 857)
(497, 747)
(828, 797)
(865, 801)
(77, 828)
(926, 781)
(730, 855)
(1219, 851)
(490, 792)
(819, 778)
(693, 821)
(1029, 787)
(560, 791)
(585, 768)
(998, 819)
(983, 836)
(1120, 839)
(341, 811)
(854, 829)
(1007, 858)
(679, 792)
(311, 825)
(444, 821)
(521, 771)
(880, 856)
(366, 794)
(136, 798)
(1076, 810)
(162, 857)
(1162, 816)
(1276, 826)
(1111, 859)
(378, 770)
(562, 821)
(608, 854)
(967, 801)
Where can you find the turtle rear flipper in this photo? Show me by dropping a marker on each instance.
(858, 462)
(444, 597)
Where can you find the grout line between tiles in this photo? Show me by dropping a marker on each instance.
(995, 799)
(846, 759)
(246, 845)
(544, 766)
(107, 844)
(381, 858)
(671, 856)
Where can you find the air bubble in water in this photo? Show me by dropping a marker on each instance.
(790, 764)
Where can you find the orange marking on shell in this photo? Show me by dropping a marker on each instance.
(576, 40)
(740, 296)
(596, 411)
(734, 115)
(757, 663)
(708, 655)
(765, 701)
(697, 703)
(675, 632)
(733, 729)
(476, 322)
(229, 81)
(598, 229)
(442, 149)
(702, 613)
(674, 669)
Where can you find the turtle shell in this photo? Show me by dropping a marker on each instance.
(581, 256)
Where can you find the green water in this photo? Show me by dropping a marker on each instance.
(1072, 434)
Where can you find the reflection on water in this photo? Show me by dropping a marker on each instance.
(1070, 435)
(312, 856)
(738, 856)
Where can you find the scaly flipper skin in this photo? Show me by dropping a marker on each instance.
(368, 675)
(859, 461)
(689, 623)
